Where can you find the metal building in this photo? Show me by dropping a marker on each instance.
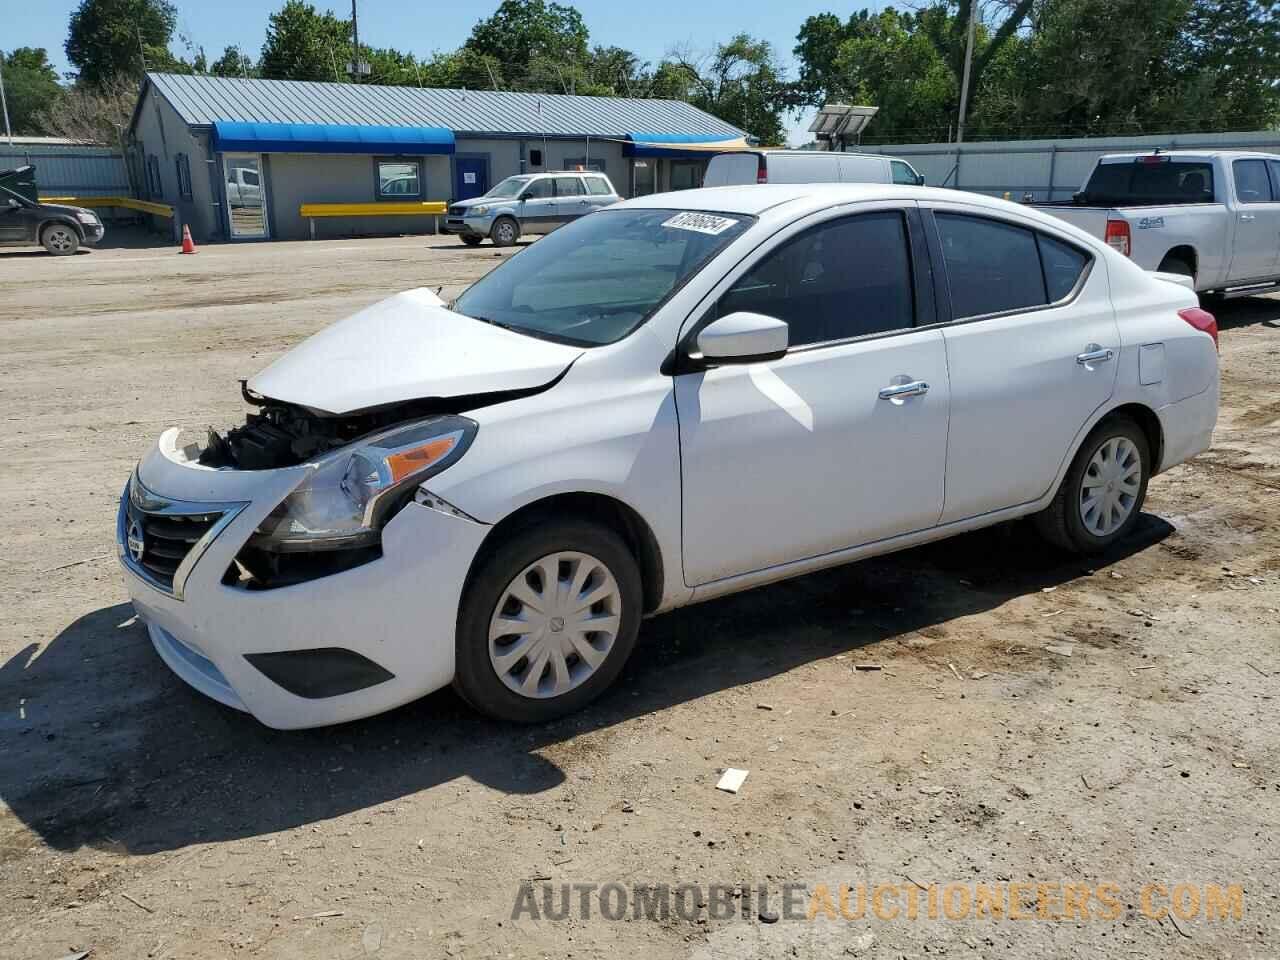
(239, 157)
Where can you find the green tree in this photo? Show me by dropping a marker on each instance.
(30, 87)
(234, 63)
(740, 82)
(107, 39)
(532, 45)
(304, 44)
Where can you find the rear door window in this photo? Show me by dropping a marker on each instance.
(992, 266)
(1252, 185)
(840, 279)
(569, 187)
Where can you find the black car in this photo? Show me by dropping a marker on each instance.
(60, 229)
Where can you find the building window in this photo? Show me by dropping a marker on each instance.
(535, 158)
(582, 163)
(399, 180)
(183, 168)
(686, 174)
(155, 186)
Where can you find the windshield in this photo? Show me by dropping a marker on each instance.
(509, 187)
(597, 279)
(1152, 180)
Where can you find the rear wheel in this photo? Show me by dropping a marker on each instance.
(548, 621)
(471, 240)
(504, 232)
(60, 239)
(1103, 491)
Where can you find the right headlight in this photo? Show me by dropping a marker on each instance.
(355, 491)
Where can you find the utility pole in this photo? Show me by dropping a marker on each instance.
(355, 42)
(968, 65)
(5, 103)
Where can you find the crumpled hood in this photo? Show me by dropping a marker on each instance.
(408, 347)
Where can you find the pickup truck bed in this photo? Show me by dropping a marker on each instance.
(1200, 214)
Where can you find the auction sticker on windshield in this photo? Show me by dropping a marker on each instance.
(707, 223)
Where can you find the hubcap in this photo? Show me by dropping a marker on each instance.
(60, 239)
(555, 624)
(505, 232)
(1109, 490)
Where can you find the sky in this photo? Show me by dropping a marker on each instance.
(649, 28)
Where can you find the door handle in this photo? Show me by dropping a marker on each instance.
(1099, 355)
(917, 388)
(1247, 216)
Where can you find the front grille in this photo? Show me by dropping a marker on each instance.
(168, 539)
(457, 211)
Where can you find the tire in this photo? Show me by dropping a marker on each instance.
(471, 240)
(487, 676)
(1067, 522)
(60, 239)
(504, 232)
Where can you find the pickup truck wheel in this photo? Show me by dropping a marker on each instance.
(60, 239)
(504, 232)
(547, 622)
(471, 240)
(1103, 491)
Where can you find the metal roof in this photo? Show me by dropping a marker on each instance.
(203, 100)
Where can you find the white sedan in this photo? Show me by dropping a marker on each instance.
(673, 399)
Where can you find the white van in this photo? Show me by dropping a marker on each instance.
(806, 166)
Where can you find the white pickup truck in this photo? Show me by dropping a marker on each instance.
(1210, 215)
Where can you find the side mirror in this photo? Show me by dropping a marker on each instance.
(13, 203)
(919, 179)
(524, 196)
(743, 338)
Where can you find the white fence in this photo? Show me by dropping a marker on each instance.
(1047, 169)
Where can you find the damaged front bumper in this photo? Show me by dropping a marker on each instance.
(343, 646)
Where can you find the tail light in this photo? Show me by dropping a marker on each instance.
(762, 170)
(1202, 320)
(1117, 236)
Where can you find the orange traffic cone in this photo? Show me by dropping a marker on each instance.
(188, 245)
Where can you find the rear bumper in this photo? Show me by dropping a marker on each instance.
(1187, 426)
(397, 612)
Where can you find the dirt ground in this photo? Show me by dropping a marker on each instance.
(1035, 720)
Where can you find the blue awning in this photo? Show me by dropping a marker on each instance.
(642, 144)
(237, 136)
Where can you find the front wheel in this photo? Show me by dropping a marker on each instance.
(1103, 491)
(504, 232)
(60, 239)
(548, 621)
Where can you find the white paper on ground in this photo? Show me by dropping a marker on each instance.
(731, 780)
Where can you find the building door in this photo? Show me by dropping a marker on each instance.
(643, 181)
(470, 177)
(246, 195)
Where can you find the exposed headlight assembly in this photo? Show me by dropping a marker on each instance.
(355, 491)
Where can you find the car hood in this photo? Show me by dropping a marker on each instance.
(63, 208)
(477, 201)
(408, 347)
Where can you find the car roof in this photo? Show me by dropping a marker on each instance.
(755, 198)
(1186, 155)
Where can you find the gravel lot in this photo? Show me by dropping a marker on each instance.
(1036, 720)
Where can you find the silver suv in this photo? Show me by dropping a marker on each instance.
(529, 203)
